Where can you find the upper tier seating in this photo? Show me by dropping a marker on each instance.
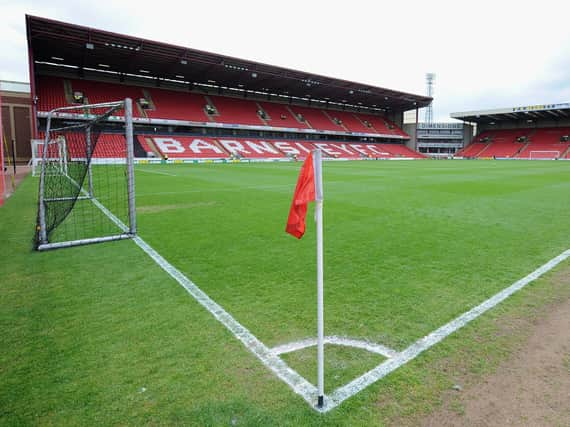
(99, 92)
(280, 116)
(232, 110)
(382, 125)
(178, 105)
(349, 121)
(316, 119)
(51, 94)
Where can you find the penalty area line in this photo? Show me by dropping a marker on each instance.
(360, 383)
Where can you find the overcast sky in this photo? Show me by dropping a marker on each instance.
(486, 54)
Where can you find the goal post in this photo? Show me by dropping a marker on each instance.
(86, 191)
(544, 155)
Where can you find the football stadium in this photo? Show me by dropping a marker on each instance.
(148, 278)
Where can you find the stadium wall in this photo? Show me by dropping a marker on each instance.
(16, 118)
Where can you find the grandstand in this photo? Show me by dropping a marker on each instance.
(539, 132)
(197, 106)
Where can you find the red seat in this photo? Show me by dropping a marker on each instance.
(280, 116)
(187, 147)
(316, 118)
(174, 105)
(232, 110)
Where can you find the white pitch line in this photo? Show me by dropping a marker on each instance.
(157, 172)
(297, 383)
(336, 340)
(360, 383)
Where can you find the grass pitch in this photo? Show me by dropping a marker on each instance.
(101, 335)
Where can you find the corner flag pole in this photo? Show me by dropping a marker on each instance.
(317, 164)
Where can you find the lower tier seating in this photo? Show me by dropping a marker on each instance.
(543, 151)
(250, 148)
(197, 147)
(108, 146)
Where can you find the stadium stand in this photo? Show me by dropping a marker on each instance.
(381, 125)
(51, 93)
(499, 143)
(108, 146)
(349, 121)
(168, 104)
(398, 150)
(169, 146)
(99, 92)
(316, 119)
(231, 110)
(472, 150)
(250, 148)
(204, 105)
(521, 143)
(174, 105)
(278, 115)
(544, 143)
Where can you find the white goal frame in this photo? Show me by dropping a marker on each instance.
(38, 157)
(127, 231)
(557, 155)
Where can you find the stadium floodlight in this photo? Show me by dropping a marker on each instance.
(86, 192)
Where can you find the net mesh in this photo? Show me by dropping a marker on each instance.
(85, 186)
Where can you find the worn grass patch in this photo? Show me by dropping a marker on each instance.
(342, 364)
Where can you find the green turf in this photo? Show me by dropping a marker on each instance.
(100, 335)
(342, 364)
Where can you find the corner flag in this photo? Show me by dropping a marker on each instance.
(310, 188)
(304, 193)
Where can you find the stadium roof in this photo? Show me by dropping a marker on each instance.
(524, 113)
(53, 42)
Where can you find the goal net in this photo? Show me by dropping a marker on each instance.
(86, 191)
(544, 155)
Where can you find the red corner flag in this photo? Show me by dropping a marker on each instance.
(304, 193)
